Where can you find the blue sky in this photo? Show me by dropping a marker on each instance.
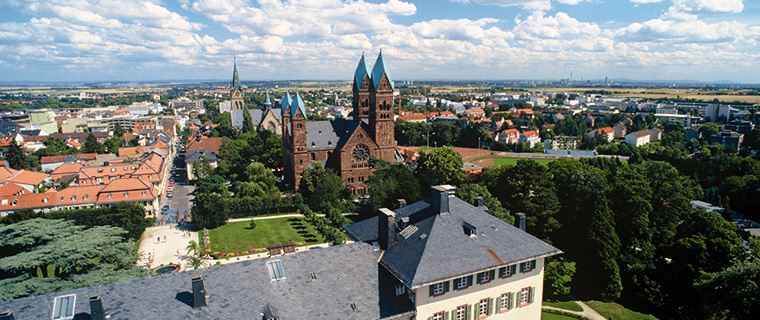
(143, 40)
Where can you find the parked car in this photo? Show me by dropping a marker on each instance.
(169, 194)
(166, 207)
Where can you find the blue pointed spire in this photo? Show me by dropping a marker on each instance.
(267, 101)
(361, 70)
(298, 105)
(286, 101)
(379, 69)
(235, 78)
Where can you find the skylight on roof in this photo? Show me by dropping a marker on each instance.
(63, 307)
(275, 270)
(408, 231)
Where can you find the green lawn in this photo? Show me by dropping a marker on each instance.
(238, 236)
(553, 316)
(567, 305)
(498, 162)
(617, 311)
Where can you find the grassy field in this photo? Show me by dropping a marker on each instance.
(553, 316)
(498, 162)
(617, 312)
(238, 236)
(660, 93)
(567, 305)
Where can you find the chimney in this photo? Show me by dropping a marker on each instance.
(386, 228)
(199, 293)
(401, 203)
(479, 202)
(96, 308)
(440, 200)
(6, 315)
(521, 221)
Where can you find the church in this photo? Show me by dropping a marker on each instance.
(343, 145)
(266, 119)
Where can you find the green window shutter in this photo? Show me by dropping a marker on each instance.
(445, 315)
(492, 275)
(468, 312)
(514, 269)
(477, 278)
(431, 289)
(490, 306)
(517, 299)
(532, 264)
(530, 296)
(456, 283)
(453, 314)
(446, 286)
(502, 271)
(430, 318)
(511, 301)
(476, 311)
(469, 280)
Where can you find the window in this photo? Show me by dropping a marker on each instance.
(126, 194)
(87, 196)
(485, 276)
(438, 288)
(527, 266)
(45, 200)
(483, 307)
(110, 196)
(14, 202)
(275, 270)
(525, 294)
(462, 282)
(400, 290)
(507, 271)
(504, 301)
(461, 313)
(63, 307)
(74, 198)
(313, 156)
(144, 193)
(438, 316)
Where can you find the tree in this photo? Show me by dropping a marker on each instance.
(248, 125)
(389, 183)
(16, 157)
(113, 143)
(558, 274)
(441, 166)
(78, 256)
(320, 187)
(91, 145)
(118, 131)
(708, 129)
(733, 293)
(211, 184)
(134, 142)
(208, 211)
(202, 169)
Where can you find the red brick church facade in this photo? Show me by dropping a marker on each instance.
(343, 145)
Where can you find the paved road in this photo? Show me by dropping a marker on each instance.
(183, 197)
(587, 311)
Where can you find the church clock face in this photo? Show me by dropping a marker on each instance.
(360, 153)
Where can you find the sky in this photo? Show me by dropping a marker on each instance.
(159, 40)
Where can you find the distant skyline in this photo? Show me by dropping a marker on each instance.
(154, 40)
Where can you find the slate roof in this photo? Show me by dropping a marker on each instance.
(346, 274)
(267, 101)
(258, 114)
(321, 135)
(297, 104)
(285, 102)
(445, 251)
(361, 71)
(200, 154)
(236, 117)
(379, 69)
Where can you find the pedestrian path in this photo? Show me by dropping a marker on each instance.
(587, 311)
(165, 244)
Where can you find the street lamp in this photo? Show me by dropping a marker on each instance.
(478, 146)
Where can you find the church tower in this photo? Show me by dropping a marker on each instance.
(236, 94)
(361, 88)
(381, 108)
(301, 159)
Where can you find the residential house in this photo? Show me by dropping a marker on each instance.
(728, 138)
(509, 136)
(205, 143)
(476, 112)
(620, 130)
(199, 155)
(413, 117)
(531, 137)
(655, 134)
(608, 131)
(589, 120)
(130, 190)
(407, 274)
(638, 138)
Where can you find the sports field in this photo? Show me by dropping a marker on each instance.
(498, 162)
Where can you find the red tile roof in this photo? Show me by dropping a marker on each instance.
(28, 177)
(208, 144)
(11, 189)
(28, 201)
(413, 116)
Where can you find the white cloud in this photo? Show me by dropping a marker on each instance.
(527, 4)
(734, 6)
(646, 1)
(559, 26)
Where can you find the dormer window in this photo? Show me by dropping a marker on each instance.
(45, 200)
(527, 266)
(144, 192)
(14, 202)
(87, 196)
(126, 194)
(100, 170)
(113, 169)
(110, 196)
(74, 198)
(469, 229)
